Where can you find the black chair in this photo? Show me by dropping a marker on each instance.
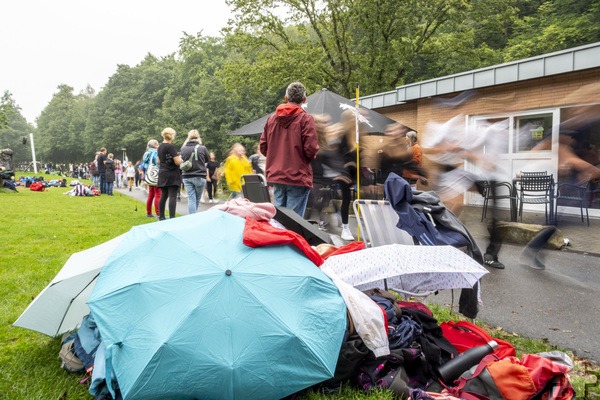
(502, 190)
(536, 189)
(533, 173)
(571, 193)
(255, 189)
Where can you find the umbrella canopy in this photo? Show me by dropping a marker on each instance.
(60, 307)
(187, 311)
(407, 267)
(324, 102)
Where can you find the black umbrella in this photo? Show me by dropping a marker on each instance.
(292, 221)
(324, 102)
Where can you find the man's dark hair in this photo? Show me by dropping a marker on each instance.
(295, 92)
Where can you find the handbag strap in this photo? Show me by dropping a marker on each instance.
(196, 152)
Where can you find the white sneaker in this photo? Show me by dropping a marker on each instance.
(210, 201)
(347, 235)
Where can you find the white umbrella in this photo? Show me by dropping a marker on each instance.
(60, 307)
(407, 267)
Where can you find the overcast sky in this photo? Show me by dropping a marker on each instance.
(45, 43)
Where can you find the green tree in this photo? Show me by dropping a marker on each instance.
(338, 43)
(475, 43)
(4, 111)
(61, 126)
(198, 98)
(15, 129)
(127, 112)
(556, 25)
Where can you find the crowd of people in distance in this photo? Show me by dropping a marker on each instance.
(308, 160)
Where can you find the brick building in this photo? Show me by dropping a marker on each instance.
(536, 96)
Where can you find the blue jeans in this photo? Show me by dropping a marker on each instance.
(102, 182)
(109, 188)
(194, 187)
(292, 197)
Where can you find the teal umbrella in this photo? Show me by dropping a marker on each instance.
(186, 311)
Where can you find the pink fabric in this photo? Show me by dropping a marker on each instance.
(243, 207)
(544, 369)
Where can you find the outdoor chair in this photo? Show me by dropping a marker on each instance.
(377, 221)
(572, 193)
(536, 189)
(255, 189)
(533, 173)
(503, 190)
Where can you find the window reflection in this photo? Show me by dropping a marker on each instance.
(531, 130)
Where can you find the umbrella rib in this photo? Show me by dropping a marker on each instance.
(71, 302)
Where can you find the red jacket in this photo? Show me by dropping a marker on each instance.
(289, 141)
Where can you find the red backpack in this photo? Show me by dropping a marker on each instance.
(465, 335)
(534, 376)
(37, 187)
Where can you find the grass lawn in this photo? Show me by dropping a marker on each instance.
(39, 231)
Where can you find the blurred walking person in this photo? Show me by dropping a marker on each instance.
(118, 174)
(130, 175)
(236, 165)
(331, 172)
(212, 177)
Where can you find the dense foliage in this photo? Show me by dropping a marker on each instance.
(14, 128)
(216, 85)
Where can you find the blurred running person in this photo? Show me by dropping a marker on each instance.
(236, 165)
(212, 177)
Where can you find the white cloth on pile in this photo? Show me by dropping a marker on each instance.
(366, 315)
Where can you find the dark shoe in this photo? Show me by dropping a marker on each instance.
(492, 261)
(149, 215)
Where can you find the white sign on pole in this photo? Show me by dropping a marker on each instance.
(33, 153)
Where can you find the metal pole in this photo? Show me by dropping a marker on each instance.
(357, 164)
(35, 171)
(357, 148)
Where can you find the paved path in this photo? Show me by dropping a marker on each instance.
(559, 304)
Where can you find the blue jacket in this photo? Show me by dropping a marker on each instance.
(150, 157)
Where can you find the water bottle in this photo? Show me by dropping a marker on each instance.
(454, 368)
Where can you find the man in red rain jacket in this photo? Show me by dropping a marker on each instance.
(289, 142)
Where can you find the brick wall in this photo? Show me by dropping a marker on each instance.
(562, 90)
(555, 91)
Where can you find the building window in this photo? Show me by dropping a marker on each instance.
(532, 132)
